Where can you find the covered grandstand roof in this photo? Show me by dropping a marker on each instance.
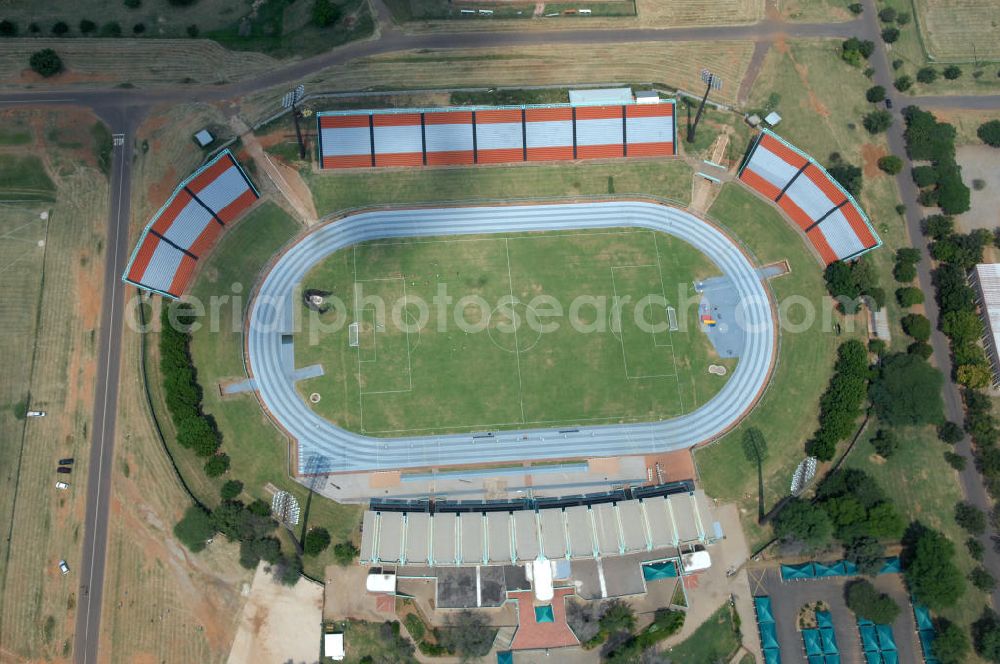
(579, 531)
(822, 209)
(186, 227)
(494, 134)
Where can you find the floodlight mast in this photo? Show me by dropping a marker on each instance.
(711, 81)
(290, 99)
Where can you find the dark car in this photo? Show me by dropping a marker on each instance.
(64, 470)
(888, 103)
(66, 462)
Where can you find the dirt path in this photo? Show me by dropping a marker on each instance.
(286, 180)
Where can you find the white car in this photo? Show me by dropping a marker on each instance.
(62, 485)
(63, 567)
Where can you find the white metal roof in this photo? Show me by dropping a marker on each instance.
(333, 646)
(601, 96)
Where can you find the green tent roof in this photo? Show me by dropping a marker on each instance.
(543, 614)
(662, 570)
(505, 657)
(763, 607)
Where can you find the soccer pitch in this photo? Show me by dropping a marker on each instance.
(456, 333)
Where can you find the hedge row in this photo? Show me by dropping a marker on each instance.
(841, 404)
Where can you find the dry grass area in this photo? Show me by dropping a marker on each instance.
(665, 14)
(819, 11)
(669, 64)
(960, 29)
(50, 299)
(139, 62)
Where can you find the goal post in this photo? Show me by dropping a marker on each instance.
(352, 335)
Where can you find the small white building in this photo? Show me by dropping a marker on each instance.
(204, 138)
(596, 96)
(333, 646)
(772, 119)
(986, 282)
(381, 582)
(647, 97)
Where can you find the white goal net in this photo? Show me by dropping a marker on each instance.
(352, 335)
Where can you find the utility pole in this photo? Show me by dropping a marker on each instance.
(290, 99)
(712, 82)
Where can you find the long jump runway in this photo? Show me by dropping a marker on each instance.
(326, 448)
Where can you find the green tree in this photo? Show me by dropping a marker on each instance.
(976, 376)
(59, 28)
(885, 443)
(325, 13)
(802, 521)
(848, 175)
(867, 602)
(316, 541)
(909, 296)
(889, 35)
(195, 528)
(938, 226)
(287, 570)
(929, 568)
(907, 391)
(924, 176)
(950, 433)
(132, 4)
(962, 327)
(950, 645)
(903, 83)
(867, 553)
(951, 72)
(982, 580)
(902, 18)
(921, 349)
(976, 548)
(46, 62)
(468, 634)
(989, 133)
(345, 553)
(875, 94)
(8, 28)
(887, 15)
(87, 26)
(986, 635)
(917, 326)
(231, 489)
(890, 164)
(927, 74)
(877, 121)
(970, 517)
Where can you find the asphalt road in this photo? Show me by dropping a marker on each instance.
(123, 110)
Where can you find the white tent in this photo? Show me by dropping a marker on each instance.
(333, 646)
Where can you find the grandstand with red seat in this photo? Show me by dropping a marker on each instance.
(494, 134)
(186, 227)
(823, 210)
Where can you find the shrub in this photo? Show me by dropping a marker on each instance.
(325, 13)
(195, 528)
(878, 347)
(231, 489)
(139, 28)
(217, 465)
(875, 94)
(855, 8)
(917, 326)
(924, 175)
(921, 349)
(890, 164)
(60, 28)
(989, 133)
(978, 184)
(415, 626)
(87, 26)
(951, 72)
(956, 461)
(46, 62)
(887, 15)
(8, 28)
(889, 35)
(927, 74)
(192, 31)
(903, 83)
(867, 602)
(885, 443)
(900, 209)
(897, 63)
(950, 644)
(975, 548)
(877, 121)
(34, 28)
(982, 579)
(111, 29)
(950, 433)
(345, 553)
(902, 18)
(909, 296)
(316, 541)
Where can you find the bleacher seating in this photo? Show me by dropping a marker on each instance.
(494, 135)
(188, 224)
(829, 216)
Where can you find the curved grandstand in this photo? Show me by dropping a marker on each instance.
(324, 447)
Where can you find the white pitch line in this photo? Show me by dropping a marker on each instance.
(517, 350)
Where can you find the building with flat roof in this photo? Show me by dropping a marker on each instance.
(619, 96)
(986, 282)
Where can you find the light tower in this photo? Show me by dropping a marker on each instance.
(291, 98)
(712, 82)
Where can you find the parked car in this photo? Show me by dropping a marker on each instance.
(36, 413)
(62, 485)
(68, 461)
(64, 470)
(888, 103)
(63, 567)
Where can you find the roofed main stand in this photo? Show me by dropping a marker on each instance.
(829, 216)
(188, 225)
(494, 134)
(503, 537)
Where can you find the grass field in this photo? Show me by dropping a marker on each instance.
(959, 30)
(716, 640)
(23, 178)
(50, 289)
(820, 11)
(508, 373)
(340, 191)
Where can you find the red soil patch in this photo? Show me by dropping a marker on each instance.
(870, 154)
(673, 466)
(160, 191)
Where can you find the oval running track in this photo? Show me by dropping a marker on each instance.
(325, 448)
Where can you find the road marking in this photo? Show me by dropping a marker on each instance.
(104, 411)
